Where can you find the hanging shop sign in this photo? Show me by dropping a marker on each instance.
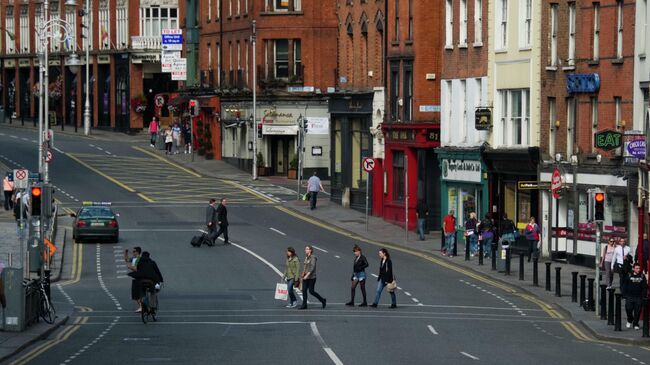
(483, 119)
(608, 139)
(461, 170)
(634, 146)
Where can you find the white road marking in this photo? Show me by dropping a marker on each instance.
(14, 137)
(468, 355)
(374, 275)
(337, 256)
(277, 231)
(93, 342)
(58, 150)
(415, 300)
(433, 330)
(328, 350)
(407, 293)
(319, 249)
(67, 297)
(101, 279)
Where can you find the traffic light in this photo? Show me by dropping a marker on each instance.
(259, 130)
(36, 194)
(305, 125)
(599, 206)
(194, 108)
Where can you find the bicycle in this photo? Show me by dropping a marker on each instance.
(45, 307)
(149, 301)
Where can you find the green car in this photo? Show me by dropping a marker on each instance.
(95, 221)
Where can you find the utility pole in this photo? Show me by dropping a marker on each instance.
(88, 40)
(254, 42)
(46, 96)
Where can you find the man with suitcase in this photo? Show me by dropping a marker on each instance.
(211, 221)
(222, 220)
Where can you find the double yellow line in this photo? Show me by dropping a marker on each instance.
(77, 264)
(61, 337)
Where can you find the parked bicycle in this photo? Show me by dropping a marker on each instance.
(45, 307)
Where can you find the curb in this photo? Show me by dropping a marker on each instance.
(621, 341)
(33, 340)
(54, 279)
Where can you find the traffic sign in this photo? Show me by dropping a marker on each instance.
(21, 179)
(368, 164)
(49, 156)
(172, 39)
(556, 183)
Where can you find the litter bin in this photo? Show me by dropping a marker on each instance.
(501, 254)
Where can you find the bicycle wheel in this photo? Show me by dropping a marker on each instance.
(47, 311)
(145, 313)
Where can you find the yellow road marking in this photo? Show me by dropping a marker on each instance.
(77, 264)
(250, 191)
(146, 198)
(61, 337)
(166, 161)
(66, 209)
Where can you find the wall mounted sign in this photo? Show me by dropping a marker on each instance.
(582, 83)
(461, 170)
(483, 119)
(608, 140)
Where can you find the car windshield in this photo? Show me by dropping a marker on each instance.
(96, 212)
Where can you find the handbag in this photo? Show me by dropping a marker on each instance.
(281, 291)
(296, 283)
(391, 286)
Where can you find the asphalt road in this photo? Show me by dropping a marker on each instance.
(217, 303)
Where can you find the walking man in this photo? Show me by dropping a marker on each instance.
(222, 220)
(635, 290)
(449, 228)
(421, 212)
(211, 219)
(8, 188)
(313, 187)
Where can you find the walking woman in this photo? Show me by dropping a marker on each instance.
(309, 278)
(487, 235)
(471, 234)
(606, 261)
(153, 131)
(532, 236)
(385, 278)
(292, 275)
(358, 276)
(169, 140)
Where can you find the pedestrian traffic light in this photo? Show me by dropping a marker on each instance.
(259, 130)
(36, 194)
(194, 107)
(599, 206)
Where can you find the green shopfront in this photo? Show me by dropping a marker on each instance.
(463, 186)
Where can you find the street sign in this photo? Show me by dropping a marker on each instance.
(556, 183)
(179, 69)
(172, 39)
(167, 58)
(368, 164)
(21, 179)
(49, 156)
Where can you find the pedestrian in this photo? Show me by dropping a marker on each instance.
(8, 188)
(471, 234)
(309, 278)
(636, 290)
(358, 276)
(422, 213)
(292, 275)
(211, 219)
(153, 131)
(385, 278)
(176, 136)
(449, 228)
(606, 261)
(486, 234)
(222, 220)
(313, 187)
(132, 266)
(187, 136)
(532, 237)
(619, 265)
(169, 140)
(507, 230)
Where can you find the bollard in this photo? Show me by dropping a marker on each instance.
(603, 301)
(521, 267)
(466, 248)
(480, 253)
(508, 261)
(548, 276)
(617, 316)
(590, 295)
(493, 250)
(610, 306)
(646, 320)
(535, 275)
(574, 286)
(558, 289)
(454, 252)
(583, 291)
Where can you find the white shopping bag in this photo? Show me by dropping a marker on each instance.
(281, 291)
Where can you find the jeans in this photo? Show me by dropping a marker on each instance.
(487, 246)
(450, 242)
(507, 239)
(154, 135)
(313, 196)
(308, 286)
(292, 295)
(609, 274)
(421, 228)
(633, 310)
(533, 252)
(380, 287)
(473, 243)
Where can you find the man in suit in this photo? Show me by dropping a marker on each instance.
(222, 220)
(211, 220)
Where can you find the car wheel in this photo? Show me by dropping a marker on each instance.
(116, 239)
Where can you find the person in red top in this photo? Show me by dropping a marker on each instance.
(449, 229)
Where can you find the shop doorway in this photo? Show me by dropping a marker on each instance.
(280, 147)
(154, 84)
(429, 186)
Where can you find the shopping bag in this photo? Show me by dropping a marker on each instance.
(281, 291)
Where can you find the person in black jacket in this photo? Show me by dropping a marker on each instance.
(222, 220)
(358, 276)
(211, 219)
(146, 275)
(385, 277)
(635, 291)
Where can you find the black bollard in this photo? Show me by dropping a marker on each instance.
(466, 248)
(521, 267)
(583, 291)
(548, 276)
(646, 320)
(454, 252)
(590, 295)
(480, 253)
(610, 306)
(535, 274)
(508, 261)
(603, 301)
(617, 315)
(558, 289)
(493, 250)
(574, 286)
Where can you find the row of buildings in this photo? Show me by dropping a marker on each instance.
(466, 105)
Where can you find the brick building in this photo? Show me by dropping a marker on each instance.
(412, 124)
(357, 105)
(463, 187)
(292, 73)
(124, 40)
(587, 61)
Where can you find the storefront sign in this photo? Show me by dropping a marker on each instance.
(608, 139)
(172, 39)
(399, 135)
(284, 130)
(273, 115)
(103, 59)
(10, 63)
(318, 125)
(483, 119)
(634, 143)
(351, 104)
(433, 135)
(533, 185)
(429, 108)
(461, 170)
(23, 62)
(144, 57)
(300, 89)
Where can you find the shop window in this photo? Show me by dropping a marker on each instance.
(452, 201)
(398, 175)
(360, 149)
(283, 5)
(509, 201)
(337, 153)
(468, 205)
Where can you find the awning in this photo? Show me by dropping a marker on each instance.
(179, 100)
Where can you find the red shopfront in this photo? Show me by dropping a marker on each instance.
(410, 172)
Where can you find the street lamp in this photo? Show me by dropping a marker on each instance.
(254, 42)
(86, 13)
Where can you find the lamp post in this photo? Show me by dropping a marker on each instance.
(254, 42)
(87, 104)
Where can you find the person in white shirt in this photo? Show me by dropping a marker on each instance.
(618, 261)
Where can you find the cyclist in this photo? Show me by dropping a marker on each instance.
(148, 276)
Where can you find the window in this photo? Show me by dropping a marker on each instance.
(219, 71)
(238, 56)
(618, 112)
(463, 23)
(238, 8)
(39, 19)
(478, 97)
(570, 125)
(619, 29)
(394, 90)
(396, 20)
(502, 24)
(515, 114)
(462, 101)
(398, 175)
(408, 91)
(449, 24)
(218, 9)
(88, 19)
(572, 34)
(410, 30)
(24, 29)
(596, 36)
(644, 27)
(282, 5)
(230, 58)
(447, 109)
(594, 120)
(209, 10)
(478, 22)
(105, 25)
(229, 8)
(526, 13)
(553, 36)
(297, 58)
(245, 6)
(122, 23)
(154, 19)
(281, 58)
(246, 51)
(209, 56)
(552, 117)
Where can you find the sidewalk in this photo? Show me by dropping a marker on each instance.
(95, 133)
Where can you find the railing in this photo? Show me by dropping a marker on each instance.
(270, 82)
(146, 42)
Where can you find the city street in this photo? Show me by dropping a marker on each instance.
(217, 305)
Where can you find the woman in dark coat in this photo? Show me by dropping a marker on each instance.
(358, 276)
(385, 277)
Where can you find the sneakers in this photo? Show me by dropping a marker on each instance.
(636, 328)
(290, 305)
(628, 325)
(393, 306)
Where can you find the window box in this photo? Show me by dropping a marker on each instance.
(617, 61)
